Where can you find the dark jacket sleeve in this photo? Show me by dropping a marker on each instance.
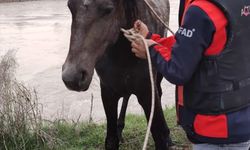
(177, 61)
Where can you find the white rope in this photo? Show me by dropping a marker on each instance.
(131, 35)
(158, 17)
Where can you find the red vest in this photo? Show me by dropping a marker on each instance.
(199, 125)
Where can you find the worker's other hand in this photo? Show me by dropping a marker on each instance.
(139, 49)
(141, 28)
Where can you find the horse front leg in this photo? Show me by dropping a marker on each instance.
(159, 128)
(122, 115)
(110, 103)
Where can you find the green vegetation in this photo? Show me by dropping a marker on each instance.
(91, 136)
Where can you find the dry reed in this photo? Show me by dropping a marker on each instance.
(20, 113)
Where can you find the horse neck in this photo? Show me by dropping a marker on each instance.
(132, 10)
(120, 52)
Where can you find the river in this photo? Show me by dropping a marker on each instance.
(39, 32)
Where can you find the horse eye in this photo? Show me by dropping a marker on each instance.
(106, 9)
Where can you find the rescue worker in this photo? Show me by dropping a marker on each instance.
(209, 61)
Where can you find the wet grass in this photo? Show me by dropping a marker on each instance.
(91, 136)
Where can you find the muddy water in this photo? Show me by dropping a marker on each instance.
(39, 31)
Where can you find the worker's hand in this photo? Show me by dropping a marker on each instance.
(139, 49)
(141, 28)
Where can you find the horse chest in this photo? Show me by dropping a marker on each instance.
(122, 79)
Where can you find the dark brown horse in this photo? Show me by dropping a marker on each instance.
(96, 42)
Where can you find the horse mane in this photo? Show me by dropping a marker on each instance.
(131, 11)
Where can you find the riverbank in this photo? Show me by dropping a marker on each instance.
(9, 1)
(65, 135)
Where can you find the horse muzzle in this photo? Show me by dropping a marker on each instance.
(76, 80)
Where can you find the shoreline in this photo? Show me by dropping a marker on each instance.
(11, 1)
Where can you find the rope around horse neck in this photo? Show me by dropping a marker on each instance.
(131, 35)
(158, 17)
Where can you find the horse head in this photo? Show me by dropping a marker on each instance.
(95, 26)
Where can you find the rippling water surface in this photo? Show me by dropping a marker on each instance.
(39, 31)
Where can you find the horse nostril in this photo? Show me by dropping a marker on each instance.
(83, 76)
(83, 79)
